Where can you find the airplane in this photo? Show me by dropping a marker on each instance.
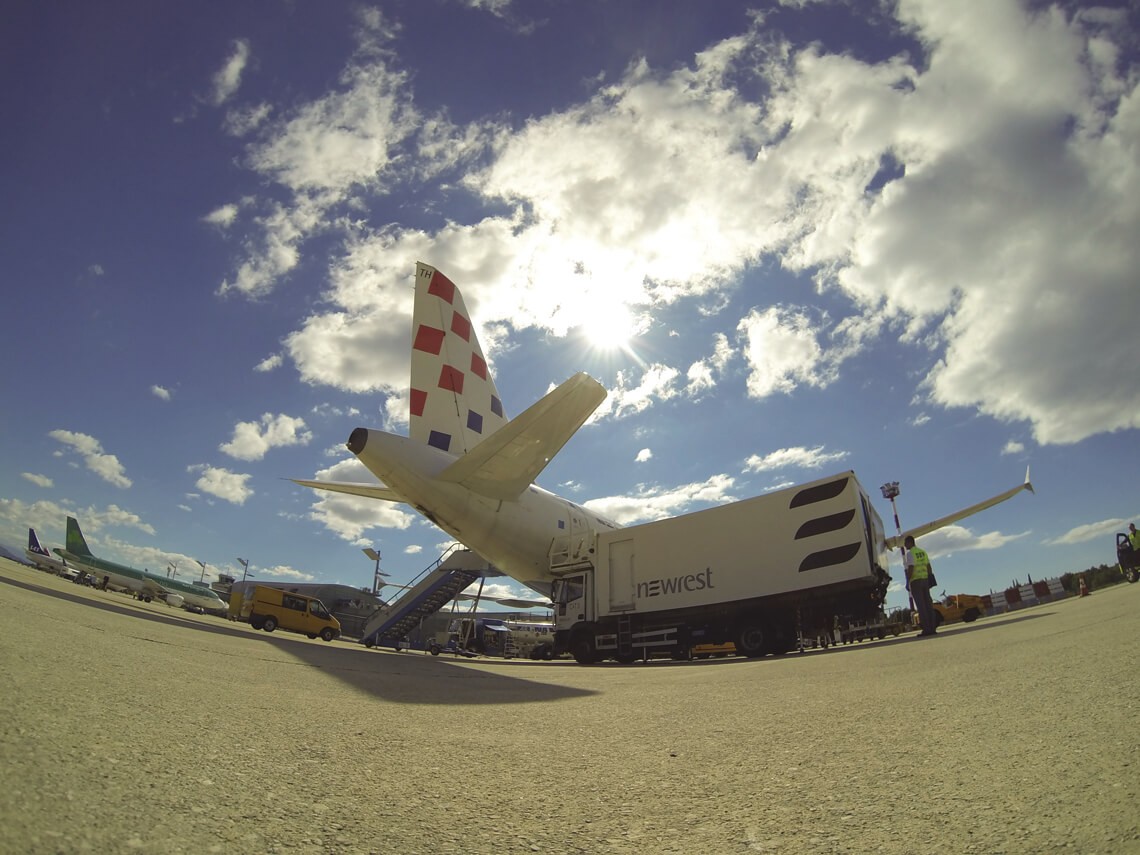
(470, 470)
(42, 559)
(145, 586)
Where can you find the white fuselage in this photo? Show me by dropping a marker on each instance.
(517, 537)
(140, 582)
(46, 562)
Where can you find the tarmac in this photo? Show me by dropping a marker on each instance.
(134, 727)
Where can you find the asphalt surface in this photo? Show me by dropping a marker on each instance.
(132, 727)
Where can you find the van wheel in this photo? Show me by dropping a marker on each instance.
(327, 634)
(270, 623)
(750, 640)
(256, 621)
(311, 634)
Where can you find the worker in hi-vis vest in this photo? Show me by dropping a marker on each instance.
(1134, 536)
(919, 573)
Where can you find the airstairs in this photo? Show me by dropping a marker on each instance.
(434, 588)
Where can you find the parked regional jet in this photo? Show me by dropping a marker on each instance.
(470, 470)
(43, 560)
(142, 584)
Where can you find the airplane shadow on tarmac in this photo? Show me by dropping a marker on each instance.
(409, 677)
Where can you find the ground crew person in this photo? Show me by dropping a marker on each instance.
(918, 574)
(1134, 537)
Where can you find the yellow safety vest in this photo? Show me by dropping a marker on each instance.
(1134, 539)
(921, 568)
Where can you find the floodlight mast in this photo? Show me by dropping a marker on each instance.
(891, 491)
(377, 581)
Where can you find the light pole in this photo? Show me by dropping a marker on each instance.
(377, 582)
(171, 566)
(202, 564)
(245, 568)
(891, 491)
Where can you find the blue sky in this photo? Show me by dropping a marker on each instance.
(789, 238)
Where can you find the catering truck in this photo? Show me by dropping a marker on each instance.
(755, 573)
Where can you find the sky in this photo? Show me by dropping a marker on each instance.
(789, 238)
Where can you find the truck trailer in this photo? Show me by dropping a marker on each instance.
(756, 573)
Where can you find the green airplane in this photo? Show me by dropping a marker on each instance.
(144, 585)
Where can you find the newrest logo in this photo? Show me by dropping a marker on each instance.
(675, 585)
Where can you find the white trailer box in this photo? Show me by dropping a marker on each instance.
(752, 572)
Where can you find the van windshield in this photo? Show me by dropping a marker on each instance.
(317, 609)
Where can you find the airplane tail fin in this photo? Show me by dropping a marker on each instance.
(34, 543)
(454, 402)
(76, 544)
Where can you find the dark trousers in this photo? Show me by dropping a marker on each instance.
(920, 593)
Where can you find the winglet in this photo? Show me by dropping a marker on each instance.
(1027, 485)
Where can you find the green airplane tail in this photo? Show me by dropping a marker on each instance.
(75, 542)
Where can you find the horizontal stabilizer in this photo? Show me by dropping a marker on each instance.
(353, 488)
(504, 464)
(918, 531)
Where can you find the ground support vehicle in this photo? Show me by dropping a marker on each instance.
(865, 630)
(270, 608)
(758, 573)
(960, 607)
(472, 637)
(1128, 559)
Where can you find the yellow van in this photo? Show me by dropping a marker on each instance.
(270, 608)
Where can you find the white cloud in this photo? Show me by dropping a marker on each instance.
(160, 392)
(1014, 125)
(38, 480)
(654, 503)
(798, 458)
(252, 440)
(1103, 530)
(227, 79)
(223, 216)
(269, 363)
(106, 466)
(230, 486)
(1013, 447)
(644, 455)
(282, 571)
(955, 538)
(782, 352)
(351, 517)
(657, 383)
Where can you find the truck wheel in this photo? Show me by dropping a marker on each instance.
(971, 615)
(1132, 574)
(434, 650)
(750, 640)
(270, 623)
(583, 650)
(256, 621)
(327, 634)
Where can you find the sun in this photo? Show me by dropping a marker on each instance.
(610, 327)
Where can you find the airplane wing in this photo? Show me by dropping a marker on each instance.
(369, 491)
(513, 602)
(918, 531)
(504, 464)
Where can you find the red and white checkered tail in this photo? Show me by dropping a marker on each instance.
(454, 402)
